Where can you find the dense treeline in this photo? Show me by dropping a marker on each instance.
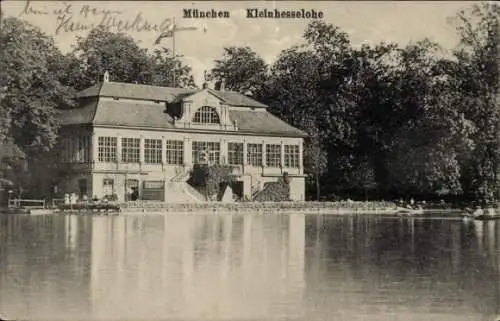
(383, 120)
(387, 121)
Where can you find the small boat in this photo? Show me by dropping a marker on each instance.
(40, 211)
(410, 211)
(483, 215)
(487, 217)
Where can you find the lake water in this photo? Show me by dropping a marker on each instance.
(248, 267)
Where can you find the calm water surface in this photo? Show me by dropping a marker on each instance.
(248, 267)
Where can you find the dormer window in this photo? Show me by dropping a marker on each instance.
(206, 115)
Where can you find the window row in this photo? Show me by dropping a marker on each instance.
(131, 151)
(202, 152)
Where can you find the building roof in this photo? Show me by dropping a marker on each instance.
(263, 122)
(168, 94)
(128, 113)
(132, 114)
(236, 99)
(135, 91)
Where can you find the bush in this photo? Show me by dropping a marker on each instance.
(275, 191)
(208, 178)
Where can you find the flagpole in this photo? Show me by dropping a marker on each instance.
(171, 33)
(173, 53)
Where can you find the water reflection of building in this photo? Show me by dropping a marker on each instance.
(196, 266)
(71, 229)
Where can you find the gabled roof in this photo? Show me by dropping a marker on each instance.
(167, 94)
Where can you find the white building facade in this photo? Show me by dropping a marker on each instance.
(125, 136)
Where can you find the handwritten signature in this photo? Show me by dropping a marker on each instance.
(70, 18)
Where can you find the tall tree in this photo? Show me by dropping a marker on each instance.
(433, 132)
(102, 51)
(242, 70)
(32, 71)
(479, 79)
(161, 68)
(315, 157)
(32, 67)
(291, 94)
(120, 55)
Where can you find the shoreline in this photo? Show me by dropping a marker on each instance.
(145, 208)
(263, 207)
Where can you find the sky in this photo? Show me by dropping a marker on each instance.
(367, 22)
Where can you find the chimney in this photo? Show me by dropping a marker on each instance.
(205, 80)
(222, 85)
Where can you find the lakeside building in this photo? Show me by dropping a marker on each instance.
(125, 137)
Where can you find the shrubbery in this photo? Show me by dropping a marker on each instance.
(275, 191)
(208, 178)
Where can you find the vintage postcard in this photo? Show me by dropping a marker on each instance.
(250, 160)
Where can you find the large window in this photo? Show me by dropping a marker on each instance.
(66, 149)
(273, 155)
(107, 149)
(131, 150)
(75, 150)
(206, 115)
(152, 151)
(235, 153)
(82, 152)
(175, 152)
(292, 156)
(254, 154)
(208, 150)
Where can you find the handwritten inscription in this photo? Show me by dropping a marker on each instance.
(72, 18)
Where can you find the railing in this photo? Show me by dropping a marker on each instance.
(182, 175)
(26, 203)
(255, 185)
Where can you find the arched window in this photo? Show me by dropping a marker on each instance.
(206, 115)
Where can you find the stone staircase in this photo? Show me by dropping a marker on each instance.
(182, 193)
(182, 175)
